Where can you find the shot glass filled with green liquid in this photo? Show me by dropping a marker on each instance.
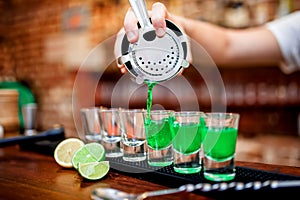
(159, 137)
(187, 130)
(219, 143)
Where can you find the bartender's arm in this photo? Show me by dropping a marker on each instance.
(257, 46)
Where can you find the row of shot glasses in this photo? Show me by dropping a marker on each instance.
(191, 141)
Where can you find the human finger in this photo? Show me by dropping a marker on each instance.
(122, 68)
(130, 26)
(158, 17)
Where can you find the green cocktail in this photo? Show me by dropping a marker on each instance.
(219, 143)
(158, 133)
(159, 137)
(186, 132)
(187, 138)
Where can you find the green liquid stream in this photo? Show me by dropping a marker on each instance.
(149, 99)
(158, 135)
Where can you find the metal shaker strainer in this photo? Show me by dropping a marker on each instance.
(152, 58)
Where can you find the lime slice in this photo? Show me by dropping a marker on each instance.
(65, 150)
(90, 152)
(93, 170)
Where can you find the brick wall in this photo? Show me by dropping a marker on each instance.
(27, 26)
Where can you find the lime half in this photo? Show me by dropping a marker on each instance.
(65, 150)
(93, 170)
(90, 152)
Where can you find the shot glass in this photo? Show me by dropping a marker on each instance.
(133, 135)
(159, 137)
(29, 114)
(91, 124)
(187, 130)
(111, 131)
(219, 144)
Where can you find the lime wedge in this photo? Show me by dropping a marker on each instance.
(90, 152)
(93, 170)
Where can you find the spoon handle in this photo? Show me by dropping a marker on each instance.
(207, 187)
(159, 193)
(109, 193)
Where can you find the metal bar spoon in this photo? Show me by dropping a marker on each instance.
(113, 194)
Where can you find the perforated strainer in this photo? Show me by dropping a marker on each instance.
(152, 58)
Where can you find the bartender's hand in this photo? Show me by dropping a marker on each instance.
(158, 15)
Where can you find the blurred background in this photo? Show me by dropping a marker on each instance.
(44, 42)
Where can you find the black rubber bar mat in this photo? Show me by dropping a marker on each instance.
(247, 176)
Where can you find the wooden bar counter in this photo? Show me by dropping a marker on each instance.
(30, 175)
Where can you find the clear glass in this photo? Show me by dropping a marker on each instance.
(186, 132)
(111, 131)
(159, 137)
(91, 124)
(219, 144)
(133, 135)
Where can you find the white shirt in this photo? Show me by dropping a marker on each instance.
(287, 32)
